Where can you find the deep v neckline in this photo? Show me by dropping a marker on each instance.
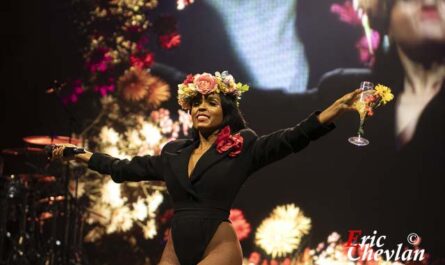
(190, 173)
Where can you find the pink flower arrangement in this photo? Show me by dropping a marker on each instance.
(254, 258)
(73, 97)
(104, 90)
(225, 141)
(142, 62)
(100, 60)
(366, 56)
(241, 226)
(356, 16)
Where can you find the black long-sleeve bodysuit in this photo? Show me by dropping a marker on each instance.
(203, 201)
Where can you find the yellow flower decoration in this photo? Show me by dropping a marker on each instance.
(384, 93)
(282, 232)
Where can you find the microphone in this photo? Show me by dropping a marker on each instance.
(67, 151)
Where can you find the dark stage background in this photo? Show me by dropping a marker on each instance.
(340, 187)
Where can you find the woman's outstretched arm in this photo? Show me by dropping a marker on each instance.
(139, 168)
(279, 144)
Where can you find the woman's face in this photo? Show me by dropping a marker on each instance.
(417, 22)
(207, 114)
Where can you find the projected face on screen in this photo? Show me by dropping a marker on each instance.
(263, 34)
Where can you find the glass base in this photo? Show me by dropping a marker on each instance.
(358, 141)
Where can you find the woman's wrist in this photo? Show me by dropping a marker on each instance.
(84, 157)
(326, 116)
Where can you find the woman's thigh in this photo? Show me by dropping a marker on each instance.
(168, 255)
(224, 248)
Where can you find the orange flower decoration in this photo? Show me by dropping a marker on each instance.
(137, 84)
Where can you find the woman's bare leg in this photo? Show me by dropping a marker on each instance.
(224, 248)
(168, 255)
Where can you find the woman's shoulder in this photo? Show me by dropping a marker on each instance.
(248, 132)
(248, 135)
(176, 145)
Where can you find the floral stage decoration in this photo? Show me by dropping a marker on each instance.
(333, 251)
(115, 208)
(282, 232)
(353, 13)
(126, 118)
(121, 38)
(181, 4)
(282, 240)
(240, 224)
(131, 213)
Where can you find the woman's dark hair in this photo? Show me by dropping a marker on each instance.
(380, 18)
(232, 115)
(388, 67)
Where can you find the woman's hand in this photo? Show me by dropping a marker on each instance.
(340, 106)
(57, 154)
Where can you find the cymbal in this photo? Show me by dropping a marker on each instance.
(23, 151)
(40, 178)
(47, 140)
(26, 160)
(45, 216)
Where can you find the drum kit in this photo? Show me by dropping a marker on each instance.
(41, 220)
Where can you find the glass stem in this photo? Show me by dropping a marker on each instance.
(361, 131)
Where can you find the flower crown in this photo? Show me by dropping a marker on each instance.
(206, 83)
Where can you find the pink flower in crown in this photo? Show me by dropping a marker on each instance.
(226, 141)
(205, 83)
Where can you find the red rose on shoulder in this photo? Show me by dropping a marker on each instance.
(226, 141)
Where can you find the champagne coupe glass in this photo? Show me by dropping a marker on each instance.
(361, 105)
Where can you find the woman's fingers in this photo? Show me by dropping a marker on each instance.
(341, 105)
(57, 152)
(349, 99)
(352, 96)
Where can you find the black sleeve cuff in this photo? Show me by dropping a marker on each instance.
(312, 127)
(101, 163)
